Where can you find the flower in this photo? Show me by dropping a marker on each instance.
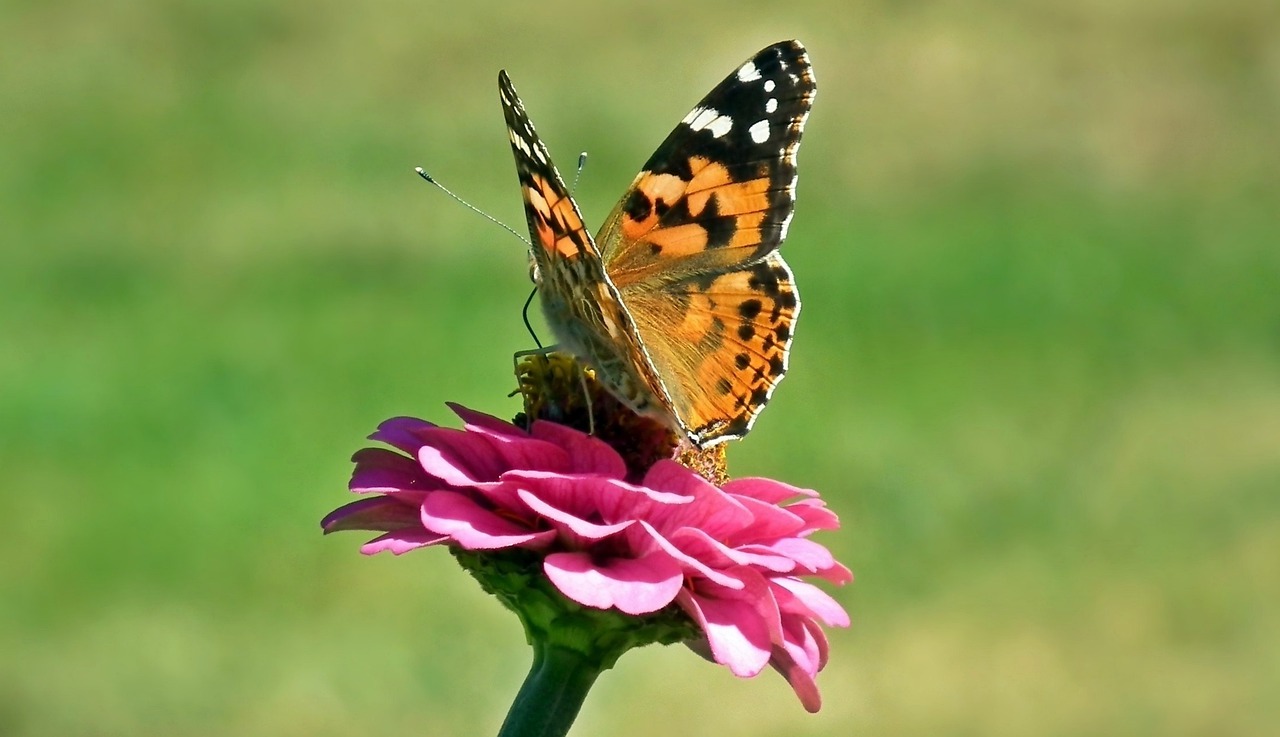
(732, 558)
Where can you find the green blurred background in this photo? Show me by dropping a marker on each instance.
(1037, 374)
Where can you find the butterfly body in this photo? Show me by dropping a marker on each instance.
(682, 304)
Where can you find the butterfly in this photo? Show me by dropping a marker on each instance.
(682, 303)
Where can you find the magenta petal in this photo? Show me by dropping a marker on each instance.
(587, 454)
(579, 526)
(459, 458)
(632, 585)
(402, 432)
(402, 541)
(382, 514)
(485, 424)
(713, 511)
(692, 564)
(472, 526)
(379, 470)
(706, 548)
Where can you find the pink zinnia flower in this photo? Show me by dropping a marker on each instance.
(733, 558)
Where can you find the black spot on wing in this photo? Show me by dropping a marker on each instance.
(765, 278)
(637, 207)
(720, 230)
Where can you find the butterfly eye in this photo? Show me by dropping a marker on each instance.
(535, 275)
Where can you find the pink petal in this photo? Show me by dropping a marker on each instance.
(768, 522)
(809, 556)
(459, 458)
(711, 510)
(815, 514)
(632, 585)
(587, 454)
(766, 490)
(806, 553)
(402, 541)
(474, 527)
(837, 574)
(480, 422)
(581, 527)
(735, 633)
(801, 680)
(464, 458)
(692, 565)
(587, 495)
(702, 546)
(800, 597)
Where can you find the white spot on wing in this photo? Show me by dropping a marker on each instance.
(705, 118)
(771, 105)
(769, 84)
(720, 126)
(760, 131)
(748, 73)
(692, 116)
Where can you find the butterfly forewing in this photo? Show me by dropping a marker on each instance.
(555, 225)
(582, 307)
(724, 179)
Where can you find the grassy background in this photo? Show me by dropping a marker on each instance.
(1038, 371)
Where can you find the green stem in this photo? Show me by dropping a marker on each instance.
(552, 693)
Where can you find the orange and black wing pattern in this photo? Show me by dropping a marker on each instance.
(692, 246)
(555, 225)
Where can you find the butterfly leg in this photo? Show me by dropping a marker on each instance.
(586, 394)
(544, 376)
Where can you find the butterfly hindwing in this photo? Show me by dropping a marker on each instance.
(726, 337)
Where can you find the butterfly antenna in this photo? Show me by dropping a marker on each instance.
(525, 314)
(471, 207)
(582, 163)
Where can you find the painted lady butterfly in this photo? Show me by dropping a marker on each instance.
(682, 303)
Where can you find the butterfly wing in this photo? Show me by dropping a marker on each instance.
(692, 246)
(555, 225)
(582, 307)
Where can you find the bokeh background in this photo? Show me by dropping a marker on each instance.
(1037, 374)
